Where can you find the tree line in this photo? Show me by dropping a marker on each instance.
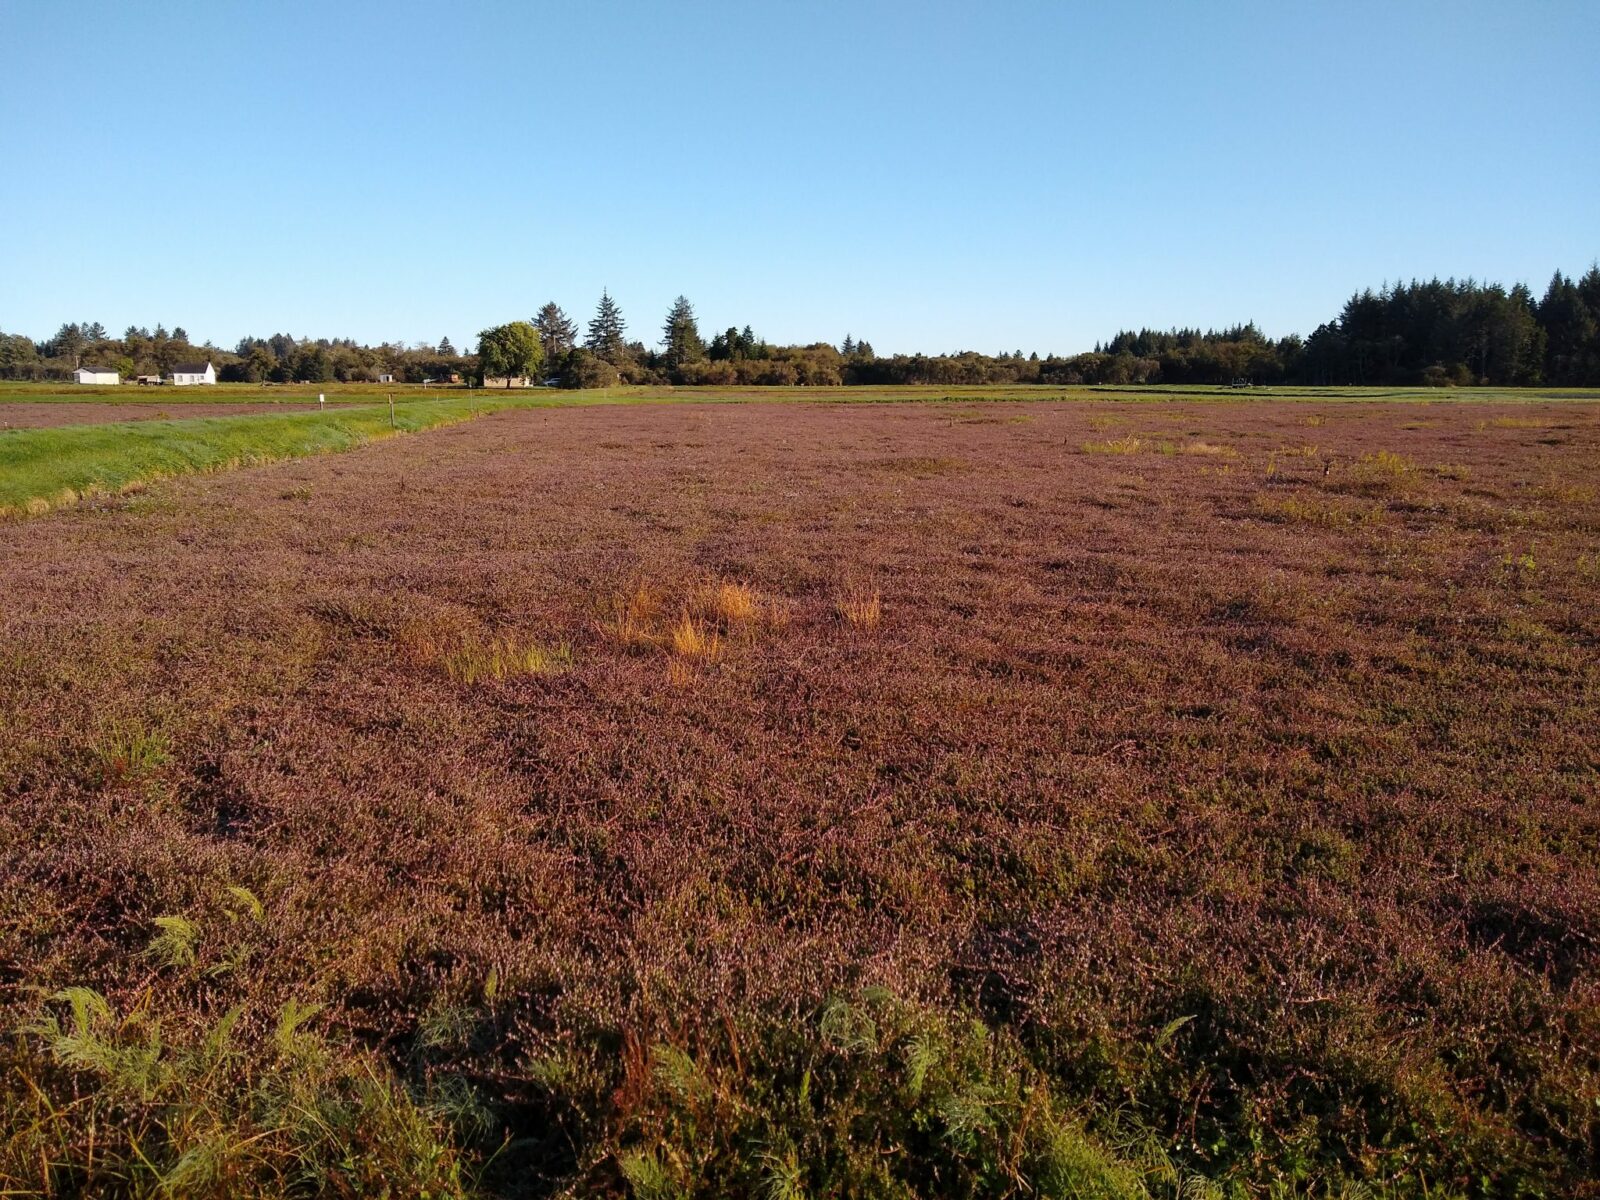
(1438, 333)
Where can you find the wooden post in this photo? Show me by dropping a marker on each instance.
(391, 410)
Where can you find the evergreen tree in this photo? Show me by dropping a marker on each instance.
(446, 350)
(606, 331)
(1570, 331)
(68, 342)
(681, 336)
(556, 331)
(849, 346)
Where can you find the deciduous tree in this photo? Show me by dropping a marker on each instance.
(510, 351)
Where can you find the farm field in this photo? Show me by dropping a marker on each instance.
(986, 798)
(49, 460)
(305, 394)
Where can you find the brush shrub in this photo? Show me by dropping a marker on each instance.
(120, 1102)
(873, 1096)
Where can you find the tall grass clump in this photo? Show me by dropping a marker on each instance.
(859, 608)
(1122, 445)
(1306, 510)
(492, 659)
(692, 639)
(1382, 473)
(1209, 449)
(127, 749)
(633, 619)
(734, 602)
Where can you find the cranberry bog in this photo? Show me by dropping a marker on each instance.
(1067, 799)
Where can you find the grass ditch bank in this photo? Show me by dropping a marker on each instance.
(43, 469)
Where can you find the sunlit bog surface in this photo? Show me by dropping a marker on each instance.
(1234, 764)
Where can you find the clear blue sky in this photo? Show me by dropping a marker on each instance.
(932, 176)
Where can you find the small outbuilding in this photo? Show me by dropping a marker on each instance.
(96, 375)
(188, 374)
(385, 378)
(507, 381)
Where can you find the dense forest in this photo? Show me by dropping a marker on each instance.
(1435, 333)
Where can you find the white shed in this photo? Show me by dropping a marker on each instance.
(96, 375)
(191, 373)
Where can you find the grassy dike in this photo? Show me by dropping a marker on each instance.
(42, 469)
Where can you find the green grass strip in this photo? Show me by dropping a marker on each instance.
(41, 469)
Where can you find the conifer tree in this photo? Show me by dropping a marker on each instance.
(606, 331)
(556, 331)
(680, 336)
(446, 350)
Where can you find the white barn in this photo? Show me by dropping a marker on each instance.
(96, 375)
(184, 374)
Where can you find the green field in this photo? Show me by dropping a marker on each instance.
(42, 469)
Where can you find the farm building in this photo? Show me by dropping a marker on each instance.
(95, 375)
(192, 373)
(385, 378)
(507, 381)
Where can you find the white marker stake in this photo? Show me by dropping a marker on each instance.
(322, 401)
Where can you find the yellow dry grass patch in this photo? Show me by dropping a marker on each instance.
(734, 602)
(1123, 445)
(1298, 510)
(1566, 493)
(1387, 462)
(862, 609)
(450, 640)
(1210, 450)
(692, 639)
(635, 616)
(1384, 471)
(1516, 423)
(503, 658)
